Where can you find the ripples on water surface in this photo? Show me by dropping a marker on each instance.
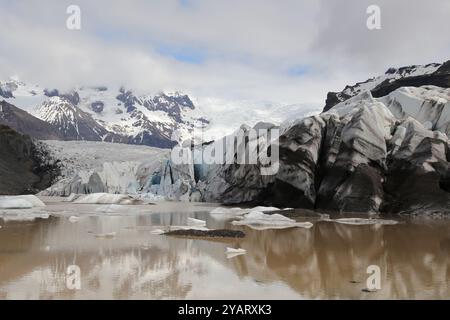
(327, 261)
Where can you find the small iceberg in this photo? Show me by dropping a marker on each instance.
(261, 221)
(20, 202)
(232, 252)
(157, 231)
(199, 228)
(221, 212)
(363, 221)
(74, 219)
(24, 216)
(196, 222)
(107, 198)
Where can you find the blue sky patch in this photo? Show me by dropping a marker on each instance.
(300, 70)
(183, 54)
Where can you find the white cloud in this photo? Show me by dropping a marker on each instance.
(246, 47)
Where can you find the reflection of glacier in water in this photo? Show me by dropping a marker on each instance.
(327, 261)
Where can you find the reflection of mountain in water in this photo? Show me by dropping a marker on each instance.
(330, 260)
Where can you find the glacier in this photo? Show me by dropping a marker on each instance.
(346, 157)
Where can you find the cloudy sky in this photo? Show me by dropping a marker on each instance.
(283, 51)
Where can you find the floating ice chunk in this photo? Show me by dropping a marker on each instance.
(201, 228)
(20, 202)
(364, 221)
(196, 222)
(232, 252)
(258, 215)
(234, 212)
(35, 201)
(228, 211)
(261, 221)
(107, 198)
(105, 235)
(266, 209)
(157, 231)
(15, 204)
(74, 219)
(24, 216)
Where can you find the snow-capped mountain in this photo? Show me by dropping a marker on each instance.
(104, 114)
(72, 122)
(119, 115)
(416, 75)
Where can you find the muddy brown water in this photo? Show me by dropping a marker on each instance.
(328, 261)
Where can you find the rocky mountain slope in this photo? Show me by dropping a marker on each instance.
(25, 123)
(25, 166)
(411, 76)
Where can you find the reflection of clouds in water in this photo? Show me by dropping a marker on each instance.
(135, 274)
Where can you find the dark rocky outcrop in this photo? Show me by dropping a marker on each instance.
(127, 98)
(97, 106)
(410, 76)
(218, 233)
(25, 166)
(51, 92)
(439, 78)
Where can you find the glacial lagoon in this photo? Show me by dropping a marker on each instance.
(120, 257)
